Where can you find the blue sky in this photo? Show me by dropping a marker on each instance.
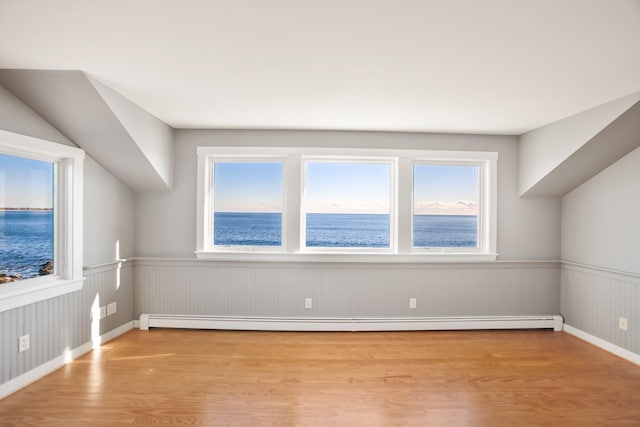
(445, 190)
(347, 188)
(343, 187)
(25, 183)
(248, 187)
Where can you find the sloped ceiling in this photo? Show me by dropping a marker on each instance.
(556, 158)
(130, 143)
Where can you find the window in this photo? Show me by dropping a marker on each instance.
(347, 204)
(26, 218)
(330, 204)
(446, 205)
(247, 203)
(40, 219)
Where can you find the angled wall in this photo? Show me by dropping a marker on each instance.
(130, 143)
(601, 250)
(60, 325)
(556, 158)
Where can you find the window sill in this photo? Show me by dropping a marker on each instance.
(344, 257)
(18, 294)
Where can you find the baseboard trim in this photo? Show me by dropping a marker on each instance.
(115, 333)
(46, 368)
(605, 345)
(349, 324)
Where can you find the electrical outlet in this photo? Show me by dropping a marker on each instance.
(412, 303)
(24, 343)
(623, 323)
(111, 308)
(103, 312)
(308, 303)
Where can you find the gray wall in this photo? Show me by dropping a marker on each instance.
(63, 323)
(600, 229)
(528, 229)
(166, 222)
(348, 290)
(108, 216)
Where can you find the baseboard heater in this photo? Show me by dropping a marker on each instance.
(349, 324)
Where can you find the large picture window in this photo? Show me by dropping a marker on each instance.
(347, 204)
(247, 203)
(40, 219)
(362, 205)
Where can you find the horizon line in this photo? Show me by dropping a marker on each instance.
(26, 209)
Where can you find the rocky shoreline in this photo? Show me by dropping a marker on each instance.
(43, 270)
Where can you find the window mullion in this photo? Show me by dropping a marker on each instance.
(291, 217)
(404, 215)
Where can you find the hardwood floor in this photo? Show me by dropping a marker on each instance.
(220, 378)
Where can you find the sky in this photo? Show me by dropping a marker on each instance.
(445, 190)
(25, 183)
(344, 187)
(248, 187)
(347, 187)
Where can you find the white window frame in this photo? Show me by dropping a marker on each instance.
(401, 210)
(482, 244)
(209, 204)
(67, 204)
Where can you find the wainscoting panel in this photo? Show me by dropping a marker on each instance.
(61, 324)
(261, 289)
(593, 299)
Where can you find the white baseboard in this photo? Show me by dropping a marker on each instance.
(605, 345)
(115, 333)
(350, 324)
(46, 368)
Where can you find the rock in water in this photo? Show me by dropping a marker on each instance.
(9, 278)
(46, 268)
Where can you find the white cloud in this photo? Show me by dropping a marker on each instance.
(460, 207)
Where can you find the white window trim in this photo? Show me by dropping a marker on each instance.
(68, 274)
(209, 204)
(293, 248)
(483, 210)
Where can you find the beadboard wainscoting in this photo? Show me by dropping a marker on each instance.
(592, 301)
(345, 290)
(61, 328)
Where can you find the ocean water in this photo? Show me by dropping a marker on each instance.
(247, 228)
(344, 230)
(445, 231)
(347, 230)
(26, 242)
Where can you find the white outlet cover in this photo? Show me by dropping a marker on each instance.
(24, 343)
(412, 303)
(103, 312)
(623, 323)
(111, 308)
(308, 303)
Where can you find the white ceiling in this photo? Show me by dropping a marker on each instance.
(473, 66)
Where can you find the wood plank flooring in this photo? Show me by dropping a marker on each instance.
(230, 378)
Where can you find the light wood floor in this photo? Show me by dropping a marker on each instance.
(219, 378)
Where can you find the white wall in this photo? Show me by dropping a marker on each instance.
(601, 218)
(108, 216)
(165, 222)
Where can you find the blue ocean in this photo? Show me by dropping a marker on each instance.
(344, 230)
(26, 242)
